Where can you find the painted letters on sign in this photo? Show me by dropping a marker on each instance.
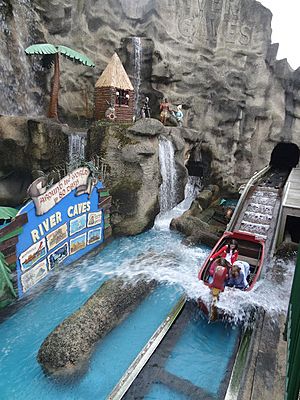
(62, 226)
(45, 199)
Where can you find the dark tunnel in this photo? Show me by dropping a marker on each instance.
(285, 156)
(199, 164)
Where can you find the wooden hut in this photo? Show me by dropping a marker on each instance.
(114, 93)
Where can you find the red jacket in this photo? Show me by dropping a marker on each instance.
(219, 278)
(223, 252)
(213, 267)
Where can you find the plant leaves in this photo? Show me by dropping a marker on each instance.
(41, 48)
(5, 274)
(7, 212)
(66, 51)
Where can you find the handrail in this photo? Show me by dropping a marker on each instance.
(139, 362)
(244, 195)
(279, 218)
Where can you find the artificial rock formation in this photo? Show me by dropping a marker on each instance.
(67, 349)
(133, 172)
(26, 146)
(131, 153)
(213, 56)
(205, 221)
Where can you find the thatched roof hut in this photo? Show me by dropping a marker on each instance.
(114, 93)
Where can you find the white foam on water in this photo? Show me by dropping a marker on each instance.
(160, 255)
(271, 293)
(260, 208)
(263, 200)
(251, 216)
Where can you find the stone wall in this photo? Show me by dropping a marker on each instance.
(213, 56)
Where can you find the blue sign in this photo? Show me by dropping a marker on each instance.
(64, 233)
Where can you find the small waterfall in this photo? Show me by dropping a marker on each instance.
(77, 142)
(193, 187)
(137, 48)
(169, 208)
(168, 195)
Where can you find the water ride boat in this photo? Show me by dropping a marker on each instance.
(251, 249)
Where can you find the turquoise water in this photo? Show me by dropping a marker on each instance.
(202, 354)
(161, 391)
(193, 362)
(158, 255)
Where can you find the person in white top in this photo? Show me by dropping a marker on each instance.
(244, 268)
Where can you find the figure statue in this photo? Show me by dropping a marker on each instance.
(145, 110)
(164, 111)
(179, 115)
(110, 113)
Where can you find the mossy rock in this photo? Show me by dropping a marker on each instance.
(66, 350)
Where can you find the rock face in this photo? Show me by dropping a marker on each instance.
(26, 146)
(213, 56)
(67, 349)
(204, 222)
(134, 169)
(133, 172)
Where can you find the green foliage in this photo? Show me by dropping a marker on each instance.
(66, 51)
(7, 212)
(42, 48)
(47, 48)
(5, 281)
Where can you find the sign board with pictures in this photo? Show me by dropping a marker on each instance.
(59, 230)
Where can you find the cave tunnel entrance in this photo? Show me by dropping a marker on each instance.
(285, 156)
(199, 164)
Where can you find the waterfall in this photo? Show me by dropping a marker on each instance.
(77, 141)
(192, 188)
(137, 61)
(168, 195)
(168, 189)
(18, 25)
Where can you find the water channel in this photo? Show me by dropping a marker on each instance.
(194, 362)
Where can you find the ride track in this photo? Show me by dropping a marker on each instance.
(257, 211)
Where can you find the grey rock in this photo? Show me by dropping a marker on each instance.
(134, 175)
(214, 58)
(199, 223)
(27, 145)
(13, 186)
(147, 127)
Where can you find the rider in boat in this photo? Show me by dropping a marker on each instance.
(238, 275)
(215, 263)
(230, 252)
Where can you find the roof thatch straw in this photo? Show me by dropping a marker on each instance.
(114, 75)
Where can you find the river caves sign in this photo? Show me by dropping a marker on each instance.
(65, 221)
